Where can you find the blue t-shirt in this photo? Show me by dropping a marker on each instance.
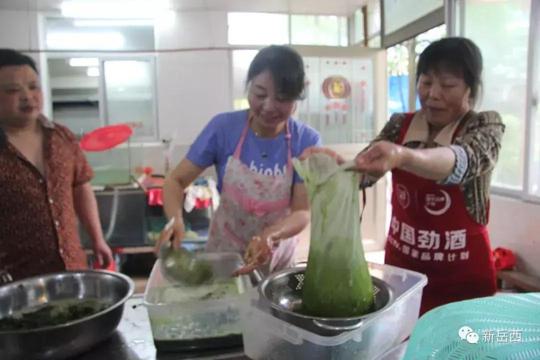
(219, 138)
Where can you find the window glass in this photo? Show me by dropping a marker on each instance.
(374, 19)
(73, 34)
(504, 41)
(80, 102)
(258, 28)
(75, 94)
(397, 59)
(129, 95)
(318, 30)
(399, 13)
(358, 27)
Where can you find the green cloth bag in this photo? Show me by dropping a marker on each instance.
(337, 282)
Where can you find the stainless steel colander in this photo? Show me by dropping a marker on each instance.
(282, 293)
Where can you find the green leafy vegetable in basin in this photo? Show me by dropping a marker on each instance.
(58, 313)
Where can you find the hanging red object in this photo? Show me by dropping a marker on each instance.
(106, 137)
(504, 259)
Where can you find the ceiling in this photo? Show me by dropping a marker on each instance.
(334, 7)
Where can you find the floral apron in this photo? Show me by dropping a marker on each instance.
(250, 202)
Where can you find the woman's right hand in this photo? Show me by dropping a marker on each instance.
(379, 158)
(173, 231)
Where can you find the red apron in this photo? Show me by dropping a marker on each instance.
(431, 232)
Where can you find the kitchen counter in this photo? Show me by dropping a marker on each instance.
(133, 340)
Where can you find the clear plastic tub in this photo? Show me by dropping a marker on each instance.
(378, 332)
(198, 317)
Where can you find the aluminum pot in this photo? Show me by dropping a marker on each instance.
(282, 293)
(67, 339)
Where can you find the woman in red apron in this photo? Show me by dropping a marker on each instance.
(441, 159)
(263, 203)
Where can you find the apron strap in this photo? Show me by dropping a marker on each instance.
(241, 141)
(288, 137)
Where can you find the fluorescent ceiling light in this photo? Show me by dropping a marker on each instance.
(92, 71)
(83, 62)
(113, 9)
(113, 22)
(111, 40)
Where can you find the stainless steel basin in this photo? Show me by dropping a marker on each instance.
(67, 339)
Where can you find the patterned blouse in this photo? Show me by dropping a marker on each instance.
(476, 145)
(38, 223)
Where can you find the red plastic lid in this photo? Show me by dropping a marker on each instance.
(105, 138)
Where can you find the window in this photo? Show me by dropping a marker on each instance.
(397, 59)
(129, 94)
(504, 43)
(91, 92)
(367, 24)
(102, 89)
(252, 29)
(374, 23)
(75, 94)
(258, 28)
(318, 30)
(399, 13)
(358, 26)
(74, 34)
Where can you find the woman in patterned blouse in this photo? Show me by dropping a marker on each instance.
(44, 182)
(441, 158)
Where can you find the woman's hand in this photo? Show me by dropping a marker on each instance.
(379, 158)
(102, 253)
(260, 249)
(258, 253)
(174, 230)
(317, 149)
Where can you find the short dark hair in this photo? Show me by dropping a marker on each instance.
(455, 54)
(10, 57)
(286, 67)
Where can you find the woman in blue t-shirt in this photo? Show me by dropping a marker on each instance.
(264, 205)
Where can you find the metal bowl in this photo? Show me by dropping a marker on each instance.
(67, 339)
(282, 292)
